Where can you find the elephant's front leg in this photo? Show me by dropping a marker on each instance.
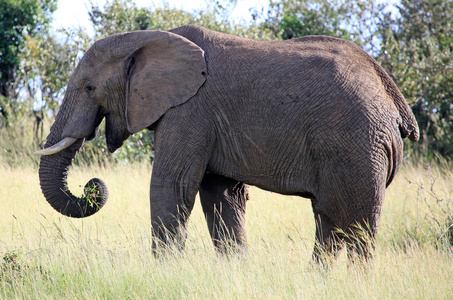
(173, 189)
(223, 201)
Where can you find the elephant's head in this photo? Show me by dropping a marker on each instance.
(131, 79)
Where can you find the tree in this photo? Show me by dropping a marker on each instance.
(118, 16)
(417, 50)
(289, 19)
(123, 15)
(17, 19)
(46, 65)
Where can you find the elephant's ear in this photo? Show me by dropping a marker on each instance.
(165, 71)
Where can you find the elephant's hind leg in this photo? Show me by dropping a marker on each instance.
(223, 201)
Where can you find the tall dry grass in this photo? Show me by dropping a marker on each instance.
(108, 255)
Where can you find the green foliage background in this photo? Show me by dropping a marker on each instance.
(413, 40)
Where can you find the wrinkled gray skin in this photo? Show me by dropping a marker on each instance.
(315, 117)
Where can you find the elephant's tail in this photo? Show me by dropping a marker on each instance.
(408, 126)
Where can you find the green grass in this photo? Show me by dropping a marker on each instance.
(108, 256)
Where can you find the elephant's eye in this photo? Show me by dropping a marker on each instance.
(89, 88)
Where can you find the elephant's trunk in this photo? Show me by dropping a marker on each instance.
(53, 174)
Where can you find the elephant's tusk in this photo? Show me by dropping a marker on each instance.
(63, 144)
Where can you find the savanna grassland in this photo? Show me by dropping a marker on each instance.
(44, 255)
(108, 255)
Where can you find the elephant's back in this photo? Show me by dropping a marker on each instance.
(298, 103)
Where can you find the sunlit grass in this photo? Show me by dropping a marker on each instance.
(108, 255)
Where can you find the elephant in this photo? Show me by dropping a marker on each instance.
(316, 117)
